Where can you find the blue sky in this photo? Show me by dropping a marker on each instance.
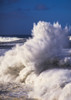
(18, 16)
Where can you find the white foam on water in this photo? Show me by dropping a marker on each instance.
(53, 84)
(70, 38)
(8, 39)
(41, 63)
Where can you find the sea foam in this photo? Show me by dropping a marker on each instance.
(8, 39)
(41, 62)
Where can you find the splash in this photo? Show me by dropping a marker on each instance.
(53, 84)
(46, 45)
(41, 62)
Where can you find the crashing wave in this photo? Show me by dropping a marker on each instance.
(41, 62)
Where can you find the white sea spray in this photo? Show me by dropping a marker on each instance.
(41, 63)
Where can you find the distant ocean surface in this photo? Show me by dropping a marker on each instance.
(37, 66)
(7, 42)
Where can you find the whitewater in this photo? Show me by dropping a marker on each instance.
(42, 63)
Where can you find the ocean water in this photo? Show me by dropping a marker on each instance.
(7, 43)
(41, 63)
